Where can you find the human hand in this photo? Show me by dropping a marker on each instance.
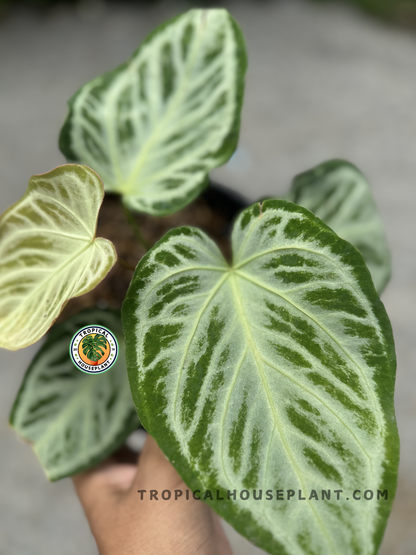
(123, 524)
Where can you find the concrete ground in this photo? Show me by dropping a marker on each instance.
(323, 82)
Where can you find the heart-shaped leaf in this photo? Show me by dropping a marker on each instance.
(154, 127)
(339, 194)
(274, 374)
(74, 420)
(49, 253)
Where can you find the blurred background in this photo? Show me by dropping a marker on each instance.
(326, 79)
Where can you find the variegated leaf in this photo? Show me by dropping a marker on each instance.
(154, 127)
(339, 194)
(276, 373)
(49, 253)
(74, 420)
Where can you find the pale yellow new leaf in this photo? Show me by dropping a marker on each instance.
(49, 253)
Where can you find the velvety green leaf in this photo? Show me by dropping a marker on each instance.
(339, 194)
(275, 374)
(74, 420)
(49, 253)
(154, 127)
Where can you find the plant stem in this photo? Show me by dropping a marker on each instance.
(138, 234)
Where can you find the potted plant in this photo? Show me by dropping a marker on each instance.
(264, 365)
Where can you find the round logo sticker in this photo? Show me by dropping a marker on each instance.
(94, 349)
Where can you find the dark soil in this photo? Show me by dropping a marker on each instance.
(213, 212)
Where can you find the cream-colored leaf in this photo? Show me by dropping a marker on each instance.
(49, 253)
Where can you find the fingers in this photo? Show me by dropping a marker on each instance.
(154, 471)
(110, 481)
(103, 485)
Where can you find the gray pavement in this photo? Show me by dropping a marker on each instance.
(323, 82)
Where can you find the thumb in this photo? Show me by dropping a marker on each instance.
(103, 484)
(154, 471)
(110, 481)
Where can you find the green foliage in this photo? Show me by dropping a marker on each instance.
(94, 347)
(338, 193)
(74, 420)
(275, 373)
(154, 127)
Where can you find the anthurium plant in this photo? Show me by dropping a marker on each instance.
(266, 379)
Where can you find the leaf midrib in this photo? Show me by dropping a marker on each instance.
(324, 329)
(129, 187)
(321, 401)
(272, 407)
